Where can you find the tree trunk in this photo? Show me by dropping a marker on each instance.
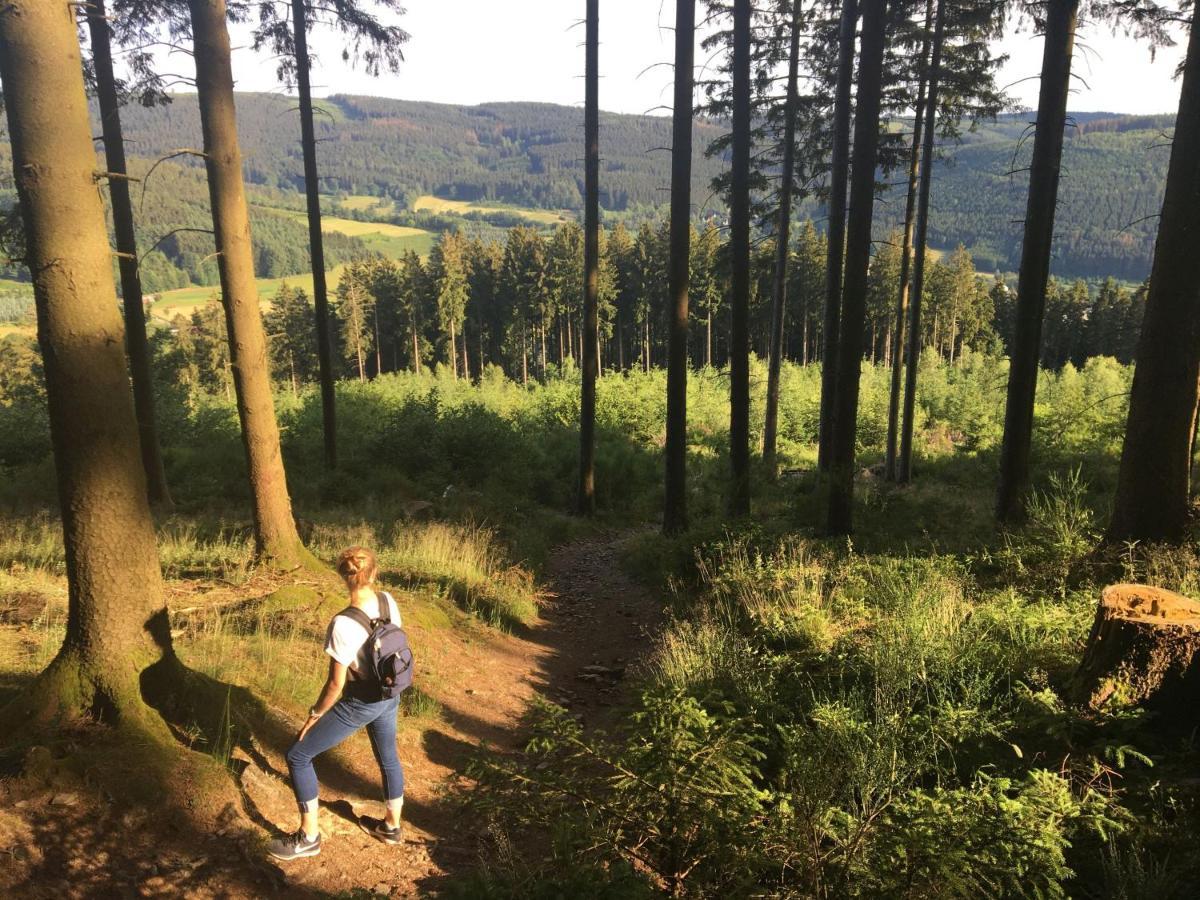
(896, 339)
(591, 263)
(454, 351)
(316, 241)
(542, 334)
(739, 240)
(1153, 502)
(839, 173)
(466, 360)
(858, 260)
(904, 468)
(378, 342)
(708, 341)
(524, 357)
(1035, 257)
(782, 249)
(127, 259)
(416, 350)
(678, 276)
(275, 535)
(116, 615)
(1142, 651)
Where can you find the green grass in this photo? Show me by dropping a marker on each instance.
(363, 203)
(392, 241)
(439, 205)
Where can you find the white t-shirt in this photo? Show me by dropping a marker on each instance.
(347, 639)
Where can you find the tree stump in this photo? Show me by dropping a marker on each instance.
(1142, 651)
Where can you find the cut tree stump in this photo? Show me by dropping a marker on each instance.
(1143, 651)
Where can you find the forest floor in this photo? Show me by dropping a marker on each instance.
(594, 623)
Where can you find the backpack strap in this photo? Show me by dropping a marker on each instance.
(385, 607)
(353, 612)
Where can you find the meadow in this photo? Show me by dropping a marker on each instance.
(392, 241)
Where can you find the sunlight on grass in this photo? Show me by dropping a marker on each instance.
(468, 566)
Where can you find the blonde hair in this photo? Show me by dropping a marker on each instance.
(357, 566)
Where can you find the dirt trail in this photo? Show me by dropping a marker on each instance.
(595, 623)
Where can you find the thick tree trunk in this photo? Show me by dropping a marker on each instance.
(591, 263)
(275, 535)
(739, 240)
(1143, 651)
(316, 241)
(896, 333)
(858, 260)
(1153, 500)
(127, 260)
(839, 174)
(116, 615)
(916, 293)
(782, 248)
(675, 507)
(1044, 171)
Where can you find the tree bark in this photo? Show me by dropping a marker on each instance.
(1044, 172)
(678, 276)
(316, 240)
(1142, 651)
(591, 263)
(896, 335)
(739, 240)
(275, 535)
(782, 249)
(1153, 497)
(454, 350)
(904, 468)
(127, 259)
(116, 615)
(839, 174)
(858, 260)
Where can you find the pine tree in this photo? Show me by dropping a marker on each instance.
(679, 271)
(1061, 16)
(127, 259)
(380, 44)
(275, 532)
(858, 254)
(1153, 486)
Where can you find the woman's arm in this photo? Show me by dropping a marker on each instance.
(329, 695)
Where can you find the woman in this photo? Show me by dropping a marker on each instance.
(348, 702)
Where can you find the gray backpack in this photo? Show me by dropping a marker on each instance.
(389, 657)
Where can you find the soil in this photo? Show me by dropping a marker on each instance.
(66, 841)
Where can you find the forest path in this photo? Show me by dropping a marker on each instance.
(70, 841)
(595, 622)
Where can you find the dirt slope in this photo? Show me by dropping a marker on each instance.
(594, 624)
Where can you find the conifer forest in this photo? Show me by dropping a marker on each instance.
(785, 493)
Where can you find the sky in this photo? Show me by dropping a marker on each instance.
(476, 51)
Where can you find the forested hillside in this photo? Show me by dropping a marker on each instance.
(526, 154)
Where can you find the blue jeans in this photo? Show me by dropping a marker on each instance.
(347, 716)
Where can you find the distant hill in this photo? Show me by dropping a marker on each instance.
(530, 155)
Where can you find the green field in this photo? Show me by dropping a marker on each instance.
(182, 301)
(438, 205)
(391, 240)
(364, 202)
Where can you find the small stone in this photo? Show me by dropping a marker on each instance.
(64, 800)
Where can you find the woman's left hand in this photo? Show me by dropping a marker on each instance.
(312, 720)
